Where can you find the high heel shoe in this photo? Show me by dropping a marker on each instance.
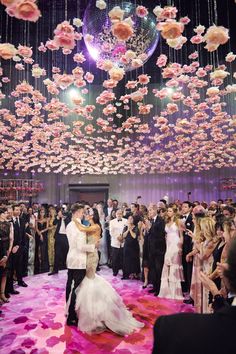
(144, 286)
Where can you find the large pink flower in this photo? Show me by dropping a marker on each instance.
(170, 30)
(24, 10)
(122, 30)
(8, 2)
(7, 51)
(215, 36)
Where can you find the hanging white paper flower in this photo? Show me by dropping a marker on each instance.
(16, 58)
(101, 4)
(77, 22)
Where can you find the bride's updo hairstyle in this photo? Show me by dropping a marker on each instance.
(94, 213)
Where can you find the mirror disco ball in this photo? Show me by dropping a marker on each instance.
(105, 46)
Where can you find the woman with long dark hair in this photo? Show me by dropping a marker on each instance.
(98, 305)
(41, 243)
(131, 264)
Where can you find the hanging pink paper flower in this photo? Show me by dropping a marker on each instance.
(109, 109)
(24, 10)
(79, 58)
(136, 96)
(161, 61)
(19, 66)
(116, 14)
(172, 108)
(80, 83)
(24, 51)
(7, 51)
(230, 57)
(89, 129)
(219, 74)
(51, 45)
(143, 79)
(109, 84)
(63, 81)
(122, 30)
(215, 36)
(141, 11)
(168, 12)
(170, 30)
(42, 48)
(212, 91)
(8, 2)
(66, 51)
(199, 29)
(197, 39)
(116, 74)
(177, 43)
(131, 84)
(136, 63)
(89, 77)
(185, 20)
(193, 56)
(145, 109)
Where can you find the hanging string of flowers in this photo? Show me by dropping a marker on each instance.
(193, 130)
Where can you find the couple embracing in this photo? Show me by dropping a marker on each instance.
(92, 304)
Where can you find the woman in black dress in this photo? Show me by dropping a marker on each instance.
(131, 262)
(41, 243)
(217, 257)
(146, 225)
(6, 241)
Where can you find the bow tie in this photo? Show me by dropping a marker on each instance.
(119, 219)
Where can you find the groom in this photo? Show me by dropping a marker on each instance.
(76, 260)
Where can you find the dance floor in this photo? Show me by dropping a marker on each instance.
(33, 322)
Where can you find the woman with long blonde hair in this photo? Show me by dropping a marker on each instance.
(172, 272)
(205, 241)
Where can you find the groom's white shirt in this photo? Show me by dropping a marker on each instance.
(78, 248)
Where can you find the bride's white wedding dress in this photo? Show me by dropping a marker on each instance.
(99, 306)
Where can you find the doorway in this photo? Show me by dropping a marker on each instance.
(86, 193)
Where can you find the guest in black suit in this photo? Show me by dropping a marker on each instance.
(108, 211)
(187, 247)
(201, 334)
(156, 249)
(6, 234)
(61, 242)
(18, 249)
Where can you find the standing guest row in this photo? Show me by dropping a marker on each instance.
(165, 245)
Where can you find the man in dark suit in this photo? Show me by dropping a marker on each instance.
(61, 242)
(201, 334)
(156, 249)
(187, 247)
(18, 248)
(108, 212)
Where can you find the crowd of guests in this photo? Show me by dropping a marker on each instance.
(164, 245)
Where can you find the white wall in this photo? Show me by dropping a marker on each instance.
(125, 188)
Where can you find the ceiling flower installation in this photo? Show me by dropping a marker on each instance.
(193, 128)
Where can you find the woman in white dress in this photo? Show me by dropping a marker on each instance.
(172, 272)
(98, 306)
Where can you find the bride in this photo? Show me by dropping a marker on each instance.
(98, 305)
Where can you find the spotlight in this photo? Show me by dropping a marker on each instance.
(170, 90)
(73, 92)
